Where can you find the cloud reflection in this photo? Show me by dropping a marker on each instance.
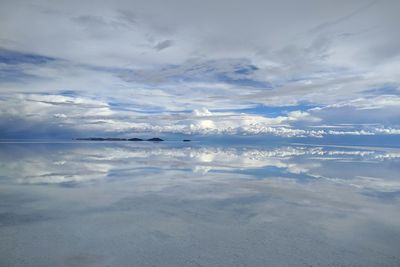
(146, 204)
(362, 167)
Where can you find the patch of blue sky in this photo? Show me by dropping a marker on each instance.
(248, 69)
(13, 58)
(70, 93)
(390, 89)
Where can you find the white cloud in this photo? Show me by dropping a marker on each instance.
(378, 102)
(60, 115)
(124, 59)
(86, 116)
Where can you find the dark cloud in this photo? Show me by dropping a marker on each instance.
(163, 45)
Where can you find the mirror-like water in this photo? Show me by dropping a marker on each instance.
(124, 204)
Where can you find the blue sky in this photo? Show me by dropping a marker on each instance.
(279, 68)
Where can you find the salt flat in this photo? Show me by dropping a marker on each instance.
(108, 204)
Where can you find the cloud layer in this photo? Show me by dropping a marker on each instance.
(314, 69)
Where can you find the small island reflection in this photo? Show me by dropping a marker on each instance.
(134, 139)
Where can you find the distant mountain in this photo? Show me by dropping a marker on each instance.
(135, 139)
(156, 139)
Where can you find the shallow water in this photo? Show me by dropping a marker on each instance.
(172, 204)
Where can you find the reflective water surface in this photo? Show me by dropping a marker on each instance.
(170, 204)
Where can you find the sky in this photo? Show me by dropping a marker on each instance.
(306, 68)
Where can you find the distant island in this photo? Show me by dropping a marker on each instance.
(155, 139)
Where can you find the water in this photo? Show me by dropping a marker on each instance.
(173, 204)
